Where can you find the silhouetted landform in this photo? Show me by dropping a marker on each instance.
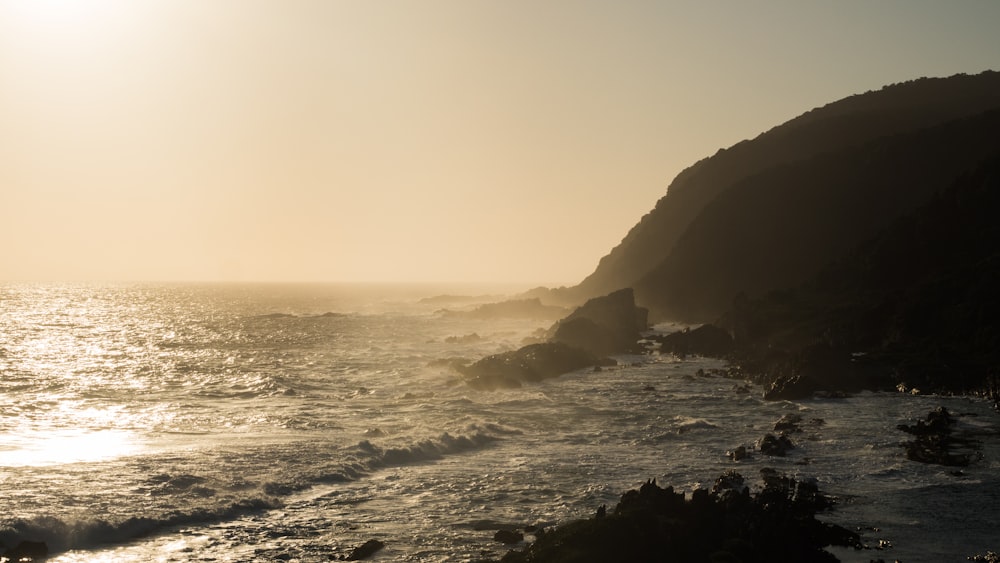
(707, 340)
(456, 299)
(935, 441)
(778, 228)
(916, 307)
(327, 315)
(531, 363)
(464, 339)
(365, 550)
(769, 213)
(606, 325)
(512, 309)
(776, 524)
(33, 551)
(611, 324)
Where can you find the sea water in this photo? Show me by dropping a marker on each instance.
(273, 422)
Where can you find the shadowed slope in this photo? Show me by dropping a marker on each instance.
(849, 122)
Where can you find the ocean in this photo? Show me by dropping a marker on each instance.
(270, 422)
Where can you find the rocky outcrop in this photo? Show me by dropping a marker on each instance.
(611, 324)
(28, 551)
(775, 445)
(604, 325)
(707, 340)
(534, 362)
(936, 443)
(365, 550)
(727, 523)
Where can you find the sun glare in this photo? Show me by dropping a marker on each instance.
(67, 446)
(57, 12)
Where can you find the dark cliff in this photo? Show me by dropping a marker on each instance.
(854, 126)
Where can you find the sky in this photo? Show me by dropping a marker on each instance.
(404, 140)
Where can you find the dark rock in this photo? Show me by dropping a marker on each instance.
(775, 445)
(740, 453)
(28, 551)
(791, 388)
(728, 523)
(598, 339)
(528, 364)
(365, 550)
(706, 340)
(465, 339)
(936, 443)
(788, 423)
(611, 324)
(508, 536)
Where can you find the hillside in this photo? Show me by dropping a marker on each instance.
(917, 305)
(835, 128)
(777, 228)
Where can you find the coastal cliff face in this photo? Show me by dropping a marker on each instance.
(769, 213)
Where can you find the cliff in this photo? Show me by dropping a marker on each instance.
(787, 162)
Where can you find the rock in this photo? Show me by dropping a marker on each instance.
(738, 454)
(727, 523)
(465, 339)
(365, 550)
(788, 423)
(706, 340)
(28, 551)
(508, 536)
(598, 339)
(791, 388)
(935, 442)
(531, 363)
(775, 445)
(611, 324)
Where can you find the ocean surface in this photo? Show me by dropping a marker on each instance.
(274, 422)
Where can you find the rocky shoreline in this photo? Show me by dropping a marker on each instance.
(729, 522)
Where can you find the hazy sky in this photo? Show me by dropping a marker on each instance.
(379, 140)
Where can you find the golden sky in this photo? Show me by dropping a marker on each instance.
(383, 140)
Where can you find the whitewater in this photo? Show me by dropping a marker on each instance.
(266, 422)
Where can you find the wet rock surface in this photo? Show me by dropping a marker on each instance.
(936, 442)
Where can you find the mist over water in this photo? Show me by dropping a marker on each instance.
(243, 423)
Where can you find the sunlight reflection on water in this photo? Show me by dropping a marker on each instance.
(39, 448)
